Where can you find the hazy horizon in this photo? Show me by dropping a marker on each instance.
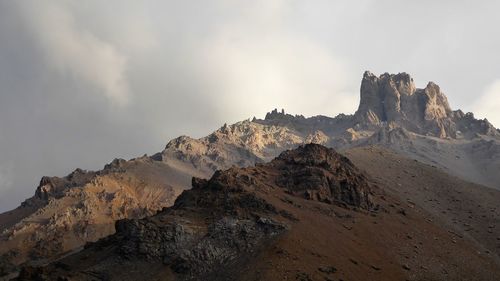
(82, 83)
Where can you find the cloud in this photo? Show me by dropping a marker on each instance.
(76, 53)
(5, 181)
(280, 71)
(257, 62)
(5, 178)
(83, 82)
(488, 104)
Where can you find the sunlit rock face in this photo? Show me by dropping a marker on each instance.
(393, 98)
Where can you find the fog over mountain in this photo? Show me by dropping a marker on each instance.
(84, 82)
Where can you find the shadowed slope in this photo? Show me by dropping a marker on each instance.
(251, 224)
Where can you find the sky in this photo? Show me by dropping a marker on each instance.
(84, 82)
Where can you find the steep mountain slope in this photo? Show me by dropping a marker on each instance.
(475, 160)
(393, 112)
(65, 213)
(310, 214)
(469, 210)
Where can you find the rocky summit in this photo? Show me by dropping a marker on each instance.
(394, 98)
(321, 174)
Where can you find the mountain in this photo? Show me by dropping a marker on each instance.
(394, 99)
(65, 213)
(392, 112)
(310, 214)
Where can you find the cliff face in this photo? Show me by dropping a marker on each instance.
(393, 98)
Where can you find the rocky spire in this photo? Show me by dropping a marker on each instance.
(393, 98)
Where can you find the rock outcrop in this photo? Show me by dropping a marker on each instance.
(223, 219)
(394, 98)
(241, 144)
(321, 174)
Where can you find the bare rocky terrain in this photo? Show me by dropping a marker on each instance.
(469, 211)
(65, 213)
(310, 214)
(394, 113)
(396, 122)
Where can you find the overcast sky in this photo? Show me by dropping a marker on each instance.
(83, 82)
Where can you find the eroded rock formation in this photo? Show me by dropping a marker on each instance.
(394, 98)
(223, 219)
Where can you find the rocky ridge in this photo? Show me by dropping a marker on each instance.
(391, 106)
(393, 113)
(83, 206)
(229, 216)
(309, 214)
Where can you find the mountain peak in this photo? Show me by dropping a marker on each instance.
(393, 98)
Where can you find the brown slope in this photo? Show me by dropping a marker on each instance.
(308, 215)
(12, 217)
(36, 231)
(68, 212)
(465, 208)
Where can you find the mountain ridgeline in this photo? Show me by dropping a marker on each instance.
(291, 218)
(394, 115)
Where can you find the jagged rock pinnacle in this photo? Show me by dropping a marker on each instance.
(393, 98)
